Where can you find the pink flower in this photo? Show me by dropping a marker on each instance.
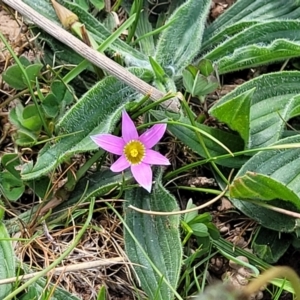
(135, 150)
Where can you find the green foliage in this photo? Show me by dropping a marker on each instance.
(174, 52)
(200, 226)
(198, 81)
(55, 102)
(14, 77)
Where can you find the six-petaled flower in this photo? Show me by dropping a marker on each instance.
(134, 150)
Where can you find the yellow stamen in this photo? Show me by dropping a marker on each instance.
(134, 152)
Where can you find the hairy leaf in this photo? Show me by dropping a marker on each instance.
(259, 44)
(158, 236)
(179, 43)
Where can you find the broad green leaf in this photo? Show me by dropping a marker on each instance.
(96, 112)
(50, 105)
(236, 113)
(32, 72)
(11, 187)
(274, 174)
(205, 67)
(159, 238)
(254, 10)
(189, 138)
(269, 245)
(179, 43)
(31, 119)
(259, 44)
(13, 77)
(256, 55)
(275, 100)
(199, 229)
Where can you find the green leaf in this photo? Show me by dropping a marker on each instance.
(223, 34)
(188, 217)
(10, 186)
(159, 238)
(50, 105)
(179, 43)
(270, 176)
(205, 67)
(10, 161)
(13, 77)
(275, 100)
(7, 266)
(96, 112)
(199, 229)
(199, 85)
(269, 245)
(236, 113)
(253, 10)
(157, 69)
(262, 187)
(31, 119)
(32, 72)
(259, 44)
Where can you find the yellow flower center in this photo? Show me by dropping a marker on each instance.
(134, 152)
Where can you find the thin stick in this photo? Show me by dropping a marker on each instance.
(70, 268)
(90, 54)
(172, 213)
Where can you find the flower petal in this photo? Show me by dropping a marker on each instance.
(143, 175)
(151, 137)
(120, 164)
(109, 143)
(155, 158)
(129, 131)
